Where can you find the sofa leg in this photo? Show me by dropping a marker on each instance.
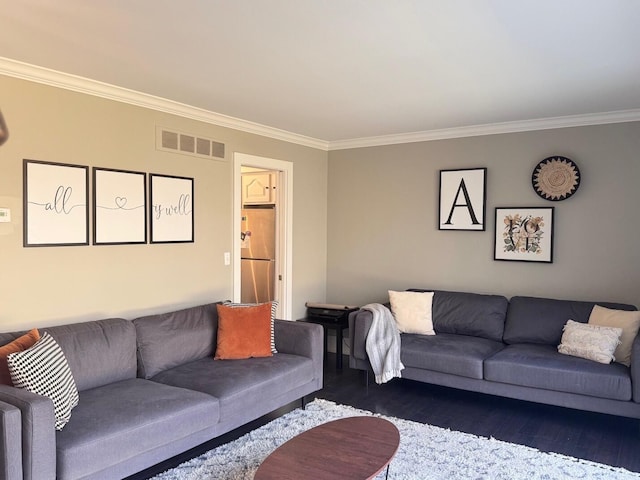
(303, 403)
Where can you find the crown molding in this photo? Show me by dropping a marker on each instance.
(25, 71)
(491, 129)
(46, 76)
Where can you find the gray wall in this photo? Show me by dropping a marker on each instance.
(383, 217)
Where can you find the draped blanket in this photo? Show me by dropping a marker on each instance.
(383, 344)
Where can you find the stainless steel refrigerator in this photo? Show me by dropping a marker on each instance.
(258, 253)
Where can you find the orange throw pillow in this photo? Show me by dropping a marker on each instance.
(243, 332)
(20, 344)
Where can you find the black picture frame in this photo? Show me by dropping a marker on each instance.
(119, 207)
(55, 204)
(463, 199)
(171, 209)
(524, 234)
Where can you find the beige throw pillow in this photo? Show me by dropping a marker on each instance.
(589, 341)
(412, 311)
(628, 321)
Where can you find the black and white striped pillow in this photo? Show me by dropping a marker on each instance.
(43, 369)
(274, 308)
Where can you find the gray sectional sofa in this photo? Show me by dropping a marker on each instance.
(149, 389)
(489, 344)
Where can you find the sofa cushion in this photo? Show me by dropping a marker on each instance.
(541, 320)
(628, 321)
(170, 339)
(448, 353)
(114, 423)
(541, 366)
(239, 385)
(43, 369)
(243, 332)
(471, 314)
(18, 345)
(99, 352)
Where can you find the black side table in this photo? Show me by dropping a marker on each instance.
(338, 326)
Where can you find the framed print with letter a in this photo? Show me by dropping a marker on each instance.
(463, 199)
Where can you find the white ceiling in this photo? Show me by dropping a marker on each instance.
(340, 70)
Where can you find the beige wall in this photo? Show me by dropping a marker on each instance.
(51, 285)
(383, 221)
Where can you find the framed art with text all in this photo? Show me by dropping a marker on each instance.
(463, 199)
(55, 204)
(119, 207)
(524, 234)
(171, 209)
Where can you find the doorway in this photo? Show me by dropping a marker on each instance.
(283, 174)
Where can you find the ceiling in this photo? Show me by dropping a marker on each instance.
(338, 71)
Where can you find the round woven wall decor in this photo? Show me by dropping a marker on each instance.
(556, 178)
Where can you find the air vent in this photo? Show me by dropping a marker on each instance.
(169, 140)
(188, 144)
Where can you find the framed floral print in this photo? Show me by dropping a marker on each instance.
(524, 234)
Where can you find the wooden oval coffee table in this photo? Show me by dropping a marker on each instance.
(348, 448)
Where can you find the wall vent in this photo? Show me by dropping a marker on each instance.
(170, 140)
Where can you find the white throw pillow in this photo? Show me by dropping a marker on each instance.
(412, 311)
(592, 342)
(628, 321)
(43, 369)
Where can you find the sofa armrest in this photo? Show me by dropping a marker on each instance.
(301, 338)
(10, 442)
(359, 324)
(635, 369)
(38, 432)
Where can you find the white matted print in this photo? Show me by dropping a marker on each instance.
(55, 203)
(463, 199)
(524, 234)
(119, 206)
(171, 209)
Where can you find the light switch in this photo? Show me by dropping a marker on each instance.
(227, 258)
(5, 215)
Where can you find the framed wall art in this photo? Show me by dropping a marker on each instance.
(463, 199)
(171, 209)
(524, 234)
(55, 204)
(119, 206)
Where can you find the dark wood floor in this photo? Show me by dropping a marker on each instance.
(596, 437)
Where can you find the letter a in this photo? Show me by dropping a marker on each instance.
(462, 187)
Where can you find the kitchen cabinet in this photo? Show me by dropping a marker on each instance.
(258, 188)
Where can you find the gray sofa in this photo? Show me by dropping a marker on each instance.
(149, 390)
(488, 344)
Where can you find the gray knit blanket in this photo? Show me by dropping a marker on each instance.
(383, 344)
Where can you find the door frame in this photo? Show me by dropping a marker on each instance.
(284, 265)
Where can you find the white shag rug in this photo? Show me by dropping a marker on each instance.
(426, 452)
